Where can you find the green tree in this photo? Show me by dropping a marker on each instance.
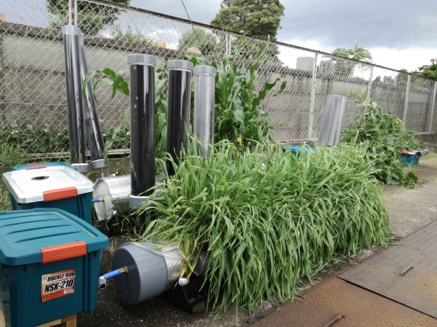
(429, 71)
(200, 39)
(346, 67)
(91, 17)
(259, 18)
(131, 36)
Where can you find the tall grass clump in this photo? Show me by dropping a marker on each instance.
(268, 219)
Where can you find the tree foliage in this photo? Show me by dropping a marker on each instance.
(429, 71)
(345, 67)
(91, 17)
(198, 38)
(259, 18)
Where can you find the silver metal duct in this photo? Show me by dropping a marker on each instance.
(179, 104)
(151, 269)
(142, 107)
(204, 100)
(332, 122)
(114, 191)
(93, 131)
(76, 121)
(421, 153)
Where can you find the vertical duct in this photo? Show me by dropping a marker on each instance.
(204, 100)
(76, 121)
(93, 131)
(179, 102)
(142, 107)
(332, 122)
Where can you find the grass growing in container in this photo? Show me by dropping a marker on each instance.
(268, 219)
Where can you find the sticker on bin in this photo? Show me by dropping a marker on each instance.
(58, 284)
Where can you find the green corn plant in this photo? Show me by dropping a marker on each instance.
(238, 112)
(267, 219)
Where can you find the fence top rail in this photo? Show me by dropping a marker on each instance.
(191, 22)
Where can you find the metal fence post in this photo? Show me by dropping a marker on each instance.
(432, 107)
(369, 86)
(2, 82)
(313, 97)
(228, 43)
(72, 12)
(406, 99)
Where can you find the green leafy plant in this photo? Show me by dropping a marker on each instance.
(267, 219)
(131, 36)
(238, 113)
(384, 136)
(35, 139)
(11, 155)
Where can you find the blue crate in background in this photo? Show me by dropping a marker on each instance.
(409, 160)
(296, 149)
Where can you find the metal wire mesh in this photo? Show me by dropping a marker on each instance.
(32, 96)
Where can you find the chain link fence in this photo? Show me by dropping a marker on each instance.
(33, 105)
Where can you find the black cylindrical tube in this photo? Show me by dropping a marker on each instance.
(179, 103)
(76, 121)
(93, 131)
(142, 107)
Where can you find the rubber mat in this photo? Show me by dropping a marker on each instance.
(406, 273)
(337, 303)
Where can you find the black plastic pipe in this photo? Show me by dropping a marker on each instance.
(93, 131)
(179, 103)
(142, 107)
(73, 82)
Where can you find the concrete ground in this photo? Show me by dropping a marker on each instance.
(409, 210)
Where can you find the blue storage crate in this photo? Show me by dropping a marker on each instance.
(49, 266)
(296, 149)
(58, 187)
(39, 165)
(409, 160)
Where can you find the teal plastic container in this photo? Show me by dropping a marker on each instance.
(55, 186)
(38, 165)
(409, 160)
(297, 149)
(35, 165)
(49, 266)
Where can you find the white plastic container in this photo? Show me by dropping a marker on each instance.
(50, 187)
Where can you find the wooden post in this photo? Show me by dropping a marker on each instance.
(69, 321)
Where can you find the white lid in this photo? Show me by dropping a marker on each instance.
(29, 185)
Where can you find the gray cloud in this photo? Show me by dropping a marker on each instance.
(398, 24)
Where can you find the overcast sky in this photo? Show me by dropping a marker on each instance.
(398, 33)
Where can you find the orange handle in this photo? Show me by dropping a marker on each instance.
(60, 193)
(63, 252)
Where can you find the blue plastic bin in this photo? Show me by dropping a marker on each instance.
(58, 187)
(37, 165)
(296, 149)
(49, 266)
(409, 160)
